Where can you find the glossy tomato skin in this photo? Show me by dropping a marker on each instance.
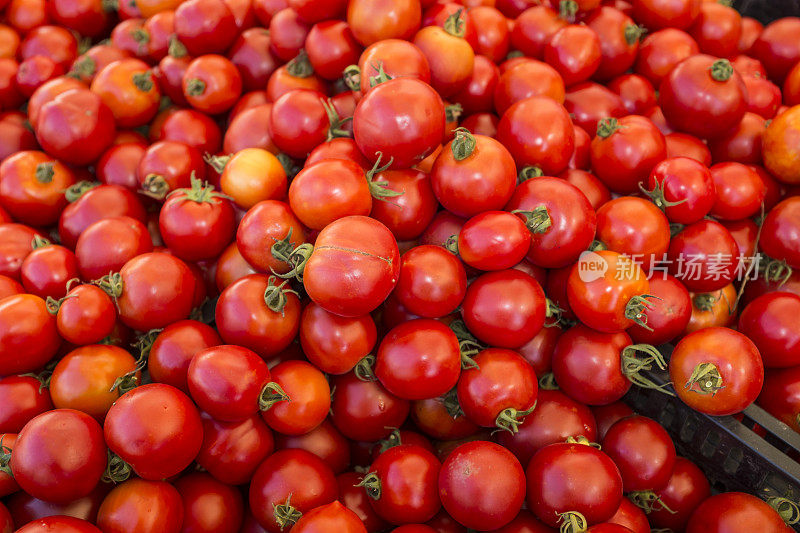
(375, 21)
(587, 365)
(265, 223)
(735, 512)
(354, 256)
(572, 220)
(505, 308)
(432, 281)
(108, 244)
(555, 417)
(29, 337)
(209, 505)
(686, 489)
(31, 187)
(309, 398)
(643, 452)
(174, 348)
(156, 429)
(683, 180)
(670, 317)
(703, 243)
(778, 230)
(658, 14)
(324, 441)
(474, 185)
(419, 359)
(736, 361)
(767, 321)
(694, 102)
(63, 474)
(574, 51)
(356, 500)
(740, 191)
(47, 270)
(432, 417)
(212, 84)
(482, 485)
(331, 516)
(22, 399)
(776, 47)
(363, 410)
(618, 43)
(295, 473)
(66, 524)
(205, 26)
(261, 329)
(558, 477)
(493, 240)
(157, 290)
(335, 344)
(408, 475)
(538, 132)
(634, 227)
(409, 214)
(591, 102)
(379, 113)
(103, 201)
(232, 451)
(501, 383)
(142, 506)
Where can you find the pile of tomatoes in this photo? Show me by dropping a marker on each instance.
(350, 266)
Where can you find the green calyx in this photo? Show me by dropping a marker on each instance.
(296, 259)
(195, 87)
(200, 192)
(451, 244)
(364, 369)
(371, 484)
(39, 242)
(705, 379)
(648, 501)
(176, 47)
(510, 419)
(73, 192)
(83, 68)
(117, 470)
(275, 296)
(111, 284)
(155, 187)
(583, 441)
(271, 394)
(381, 75)
(336, 129)
(528, 173)
(285, 515)
(463, 144)
(567, 9)
(721, 70)
(380, 189)
(454, 24)
(44, 172)
(548, 382)
(633, 32)
(300, 66)
(143, 81)
(352, 77)
(392, 441)
(636, 309)
(638, 357)
(786, 508)
(451, 405)
(607, 126)
(5, 459)
(658, 195)
(572, 522)
(536, 220)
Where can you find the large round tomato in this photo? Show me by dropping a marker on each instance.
(735, 512)
(385, 19)
(716, 371)
(432, 281)
(334, 344)
(686, 489)
(32, 187)
(769, 322)
(364, 410)
(643, 452)
(301, 398)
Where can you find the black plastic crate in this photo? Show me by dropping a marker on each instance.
(732, 455)
(768, 10)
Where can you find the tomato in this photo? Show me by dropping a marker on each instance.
(249, 128)
(637, 93)
(522, 131)
(230, 266)
(686, 489)
(386, 19)
(119, 164)
(91, 378)
(625, 151)
(212, 84)
(498, 389)
(142, 506)
(534, 28)
(251, 56)
(419, 359)
(683, 188)
(685, 145)
(591, 187)
(555, 418)
(767, 322)
(670, 316)
(14, 136)
(703, 96)
(575, 52)
(734, 512)
(35, 71)
(634, 227)
(127, 87)
(331, 47)
(205, 26)
(331, 517)
(643, 452)
(168, 166)
(156, 429)
(630, 516)
(24, 15)
(288, 484)
(363, 410)
(740, 191)
(449, 54)
(189, 127)
(658, 14)
(63, 474)
(253, 175)
(777, 48)
(23, 398)
(231, 451)
(780, 147)
(618, 39)
(299, 122)
(780, 223)
(301, 400)
(67, 524)
(505, 308)
(464, 182)
(441, 418)
(47, 270)
(380, 112)
(703, 256)
(589, 103)
(526, 79)
(791, 87)
(288, 32)
(408, 214)
(713, 309)
(482, 485)
(324, 441)
(763, 96)
(209, 505)
(354, 256)
(335, 344)
(108, 244)
(567, 479)
(560, 216)
(493, 240)
(29, 337)
(714, 380)
(717, 29)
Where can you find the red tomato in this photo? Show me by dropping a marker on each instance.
(23, 398)
(209, 505)
(28, 334)
(333, 516)
(108, 244)
(232, 451)
(589, 103)
(364, 410)
(574, 51)
(716, 380)
(493, 240)
(776, 230)
(767, 321)
(301, 400)
(670, 316)
(47, 271)
(634, 227)
(658, 14)
(686, 489)
(683, 188)
(735, 512)
(138, 505)
(67, 524)
(643, 452)
(205, 26)
(740, 191)
(385, 19)
(637, 93)
(777, 48)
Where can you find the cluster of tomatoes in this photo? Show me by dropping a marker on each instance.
(331, 266)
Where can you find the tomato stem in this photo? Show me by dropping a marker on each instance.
(372, 484)
(572, 522)
(271, 394)
(582, 440)
(454, 24)
(529, 172)
(195, 87)
(296, 260)
(632, 364)
(636, 308)
(85, 67)
(705, 301)
(352, 77)
(634, 32)
(364, 368)
(789, 510)
(658, 196)
(451, 244)
(73, 192)
(553, 311)
(707, 379)
(5, 458)
(111, 284)
(286, 515)
(649, 501)
(117, 470)
(143, 81)
(607, 126)
(548, 382)
(451, 405)
(392, 441)
(721, 70)
(452, 112)
(300, 66)
(776, 271)
(200, 192)
(381, 75)
(379, 189)
(469, 348)
(44, 172)
(463, 144)
(155, 186)
(509, 419)
(176, 48)
(39, 242)
(336, 123)
(275, 295)
(537, 220)
(567, 9)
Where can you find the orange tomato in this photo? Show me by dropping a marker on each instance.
(129, 89)
(252, 175)
(780, 145)
(713, 309)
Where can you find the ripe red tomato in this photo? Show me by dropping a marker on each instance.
(209, 505)
(94, 204)
(643, 452)
(493, 240)
(386, 19)
(777, 229)
(364, 410)
(301, 400)
(335, 344)
(669, 317)
(154, 428)
(67, 524)
(683, 188)
(331, 517)
(716, 371)
(212, 83)
(28, 334)
(703, 256)
(140, 505)
(767, 321)
(47, 271)
(686, 489)
(232, 451)
(23, 397)
(735, 512)
(108, 244)
(408, 214)
(619, 41)
(658, 14)
(589, 103)
(634, 227)
(574, 51)
(505, 308)
(482, 485)
(32, 187)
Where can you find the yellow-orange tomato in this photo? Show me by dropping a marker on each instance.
(713, 309)
(129, 89)
(252, 175)
(231, 266)
(32, 187)
(375, 20)
(148, 8)
(780, 145)
(449, 55)
(83, 378)
(9, 42)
